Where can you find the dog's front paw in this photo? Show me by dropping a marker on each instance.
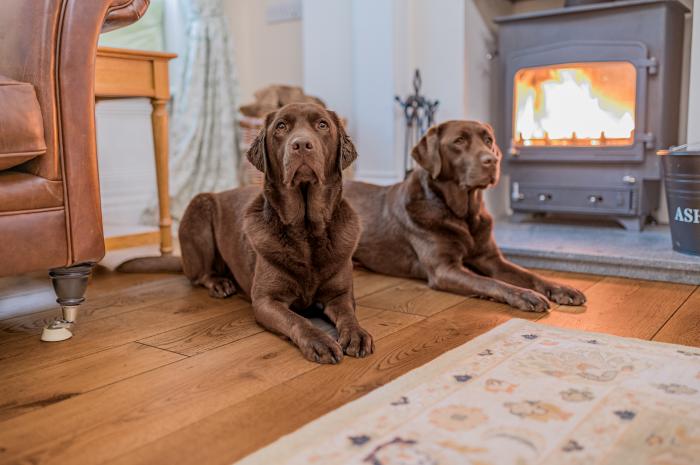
(319, 347)
(564, 295)
(221, 287)
(530, 301)
(355, 341)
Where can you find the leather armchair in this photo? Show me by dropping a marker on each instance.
(50, 216)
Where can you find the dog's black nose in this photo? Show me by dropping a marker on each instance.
(488, 159)
(302, 144)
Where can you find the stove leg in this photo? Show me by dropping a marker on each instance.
(632, 224)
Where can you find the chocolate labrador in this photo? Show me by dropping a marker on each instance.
(288, 248)
(434, 224)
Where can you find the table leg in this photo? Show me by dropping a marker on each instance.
(159, 119)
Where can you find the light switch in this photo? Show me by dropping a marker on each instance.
(279, 11)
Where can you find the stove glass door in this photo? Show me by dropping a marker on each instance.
(587, 104)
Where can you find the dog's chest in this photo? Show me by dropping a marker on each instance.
(318, 259)
(469, 235)
(308, 262)
(310, 279)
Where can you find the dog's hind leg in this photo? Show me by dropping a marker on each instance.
(201, 261)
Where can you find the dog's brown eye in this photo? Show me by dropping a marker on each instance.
(460, 140)
(281, 125)
(488, 140)
(322, 125)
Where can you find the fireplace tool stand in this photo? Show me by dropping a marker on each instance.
(419, 113)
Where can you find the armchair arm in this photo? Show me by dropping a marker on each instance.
(124, 12)
(82, 23)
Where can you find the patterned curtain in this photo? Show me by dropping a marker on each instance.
(203, 145)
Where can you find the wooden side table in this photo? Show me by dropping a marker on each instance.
(122, 73)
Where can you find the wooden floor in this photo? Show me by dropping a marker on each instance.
(158, 372)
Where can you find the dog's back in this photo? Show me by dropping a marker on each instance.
(208, 216)
(383, 245)
(212, 237)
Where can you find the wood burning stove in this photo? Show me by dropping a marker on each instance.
(588, 94)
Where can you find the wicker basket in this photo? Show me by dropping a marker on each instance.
(249, 129)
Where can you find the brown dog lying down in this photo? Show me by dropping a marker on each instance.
(434, 225)
(288, 247)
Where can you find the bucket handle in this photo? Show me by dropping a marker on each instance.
(676, 148)
(684, 146)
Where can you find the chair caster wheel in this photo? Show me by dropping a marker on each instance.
(56, 332)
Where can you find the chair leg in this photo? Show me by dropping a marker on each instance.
(69, 284)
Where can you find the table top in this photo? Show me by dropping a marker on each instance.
(133, 54)
(121, 72)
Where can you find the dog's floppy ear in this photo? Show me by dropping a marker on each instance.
(346, 149)
(427, 152)
(257, 153)
(491, 131)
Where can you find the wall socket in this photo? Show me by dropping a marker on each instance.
(279, 11)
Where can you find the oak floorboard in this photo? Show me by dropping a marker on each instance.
(224, 329)
(100, 306)
(96, 426)
(623, 307)
(414, 296)
(100, 424)
(411, 296)
(33, 293)
(19, 307)
(238, 390)
(30, 353)
(208, 334)
(25, 284)
(102, 280)
(381, 323)
(366, 282)
(579, 281)
(26, 392)
(684, 326)
(246, 426)
(238, 430)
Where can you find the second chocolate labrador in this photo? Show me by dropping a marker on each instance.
(434, 224)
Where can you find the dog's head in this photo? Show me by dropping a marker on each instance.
(463, 152)
(302, 143)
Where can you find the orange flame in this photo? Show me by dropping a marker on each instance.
(578, 104)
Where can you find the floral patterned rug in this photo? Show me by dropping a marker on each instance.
(523, 393)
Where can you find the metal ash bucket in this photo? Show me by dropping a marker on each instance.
(682, 180)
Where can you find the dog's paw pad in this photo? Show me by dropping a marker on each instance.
(221, 288)
(530, 301)
(355, 341)
(321, 348)
(565, 295)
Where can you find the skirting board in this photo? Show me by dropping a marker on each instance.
(132, 240)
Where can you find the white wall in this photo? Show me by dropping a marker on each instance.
(373, 40)
(266, 53)
(387, 40)
(327, 54)
(438, 49)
